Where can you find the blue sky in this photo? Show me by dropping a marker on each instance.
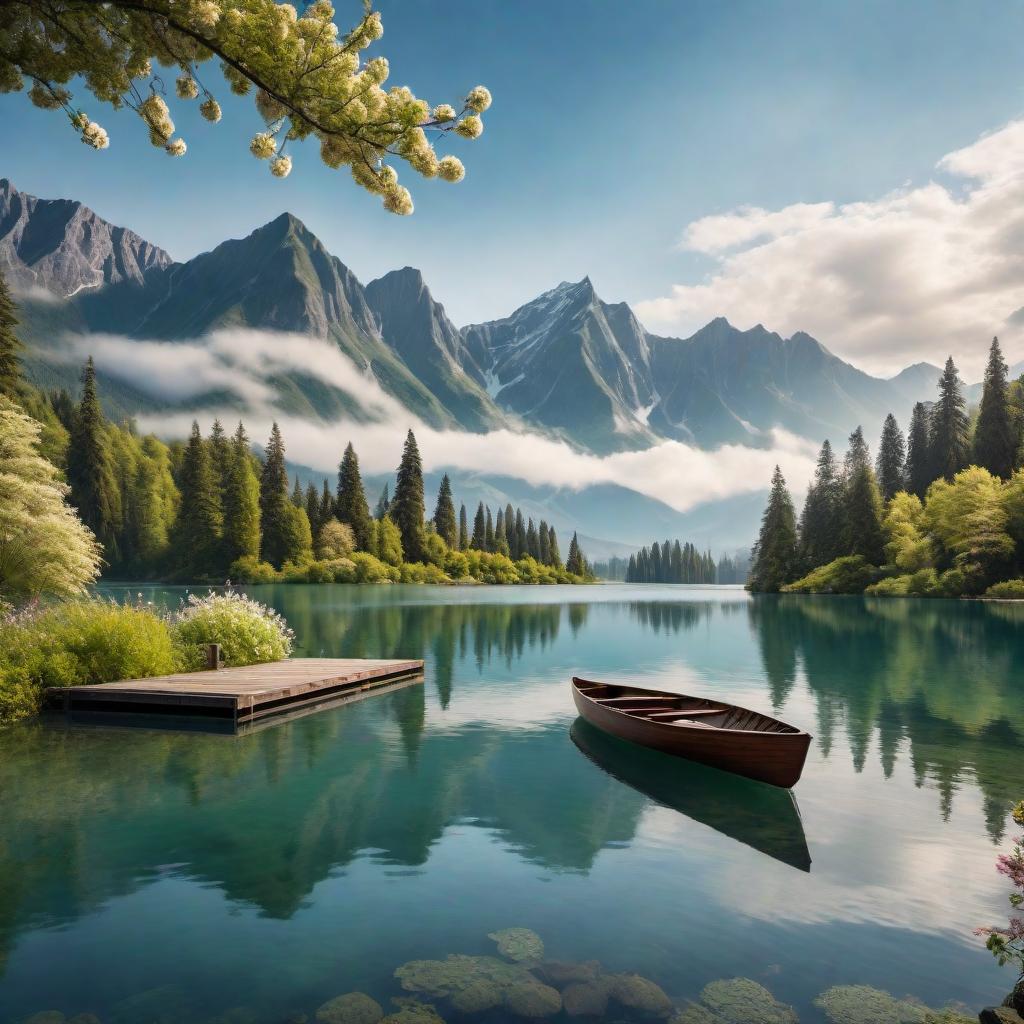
(614, 126)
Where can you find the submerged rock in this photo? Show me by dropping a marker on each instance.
(640, 995)
(694, 1013)
(532, 999)
(412, 1011)
(861, 1004)
(519, 944)
(559, 973)
(477, 997)
(586, 998)
(744, 1001)
(351, 1008)
(444, 979)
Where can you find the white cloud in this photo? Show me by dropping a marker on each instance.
(917, 274)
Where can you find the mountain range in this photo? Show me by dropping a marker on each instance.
(566, 364)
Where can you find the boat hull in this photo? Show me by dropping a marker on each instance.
(775, 758)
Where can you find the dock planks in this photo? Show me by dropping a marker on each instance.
(241, 694)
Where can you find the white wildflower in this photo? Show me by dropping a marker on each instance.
(479, 99)
(95, 136)
(206, 13)
(470, 127)
(187, 87)
(372, 28)
(210, 109)
(281, 166)
(176, 147)
(263, 146)
(444, 112)
(450, 168)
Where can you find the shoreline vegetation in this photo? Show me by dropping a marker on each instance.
(939, 514)
(209, 510)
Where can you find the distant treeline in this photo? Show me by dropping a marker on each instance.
(673, 562)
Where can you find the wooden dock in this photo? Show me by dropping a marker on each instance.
(239, 695)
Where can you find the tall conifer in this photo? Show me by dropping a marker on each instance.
(532, 540)
(326, 506)
(575, 563)
(200, 516)
(862, 504)
(407, 508)
(553, 553)
(488, 530)
(996, 437)
(274, 514)
(479, 541)
(313, 506)
(241, 533)
(220, 455)
(892, 455)
(383, 504)
(775, 553)
(90, 473)
(543, 543)
(821, 522)
(463, 528)
(444, 514)
(351, 507)
(11, 382)
(949, 440)
(919, 459)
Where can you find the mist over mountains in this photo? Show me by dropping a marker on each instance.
(219, 332)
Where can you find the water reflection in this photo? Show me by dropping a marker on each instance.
(475, 772)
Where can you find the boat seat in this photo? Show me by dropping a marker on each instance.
(695, 712)
(639, 699)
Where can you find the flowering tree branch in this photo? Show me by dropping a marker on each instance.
(1007, 944)
(307, 81)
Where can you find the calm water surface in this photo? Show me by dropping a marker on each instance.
(157, 876)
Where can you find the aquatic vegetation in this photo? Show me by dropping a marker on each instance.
(694, 1013)
(558, 972)
(586, 998)
(444, 979)
(519, 944)
(412, 1011)
(736, 1001)
(532, 998)
(640, 995)
(861, 1004)
(477, 997)
(351, 1008)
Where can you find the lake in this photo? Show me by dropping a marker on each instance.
(150, 875)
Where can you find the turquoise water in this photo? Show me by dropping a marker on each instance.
(169, 876)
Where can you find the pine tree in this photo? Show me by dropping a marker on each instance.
(520, 549)
(631, 576)
(11, 380)
(676, 571)
(407, 509)
(949, 440)
(862, 504)
(313, 506)
(891, 464)
(532, 540)
(94, 490)
(274, 516)
(241, 533)
(479, 540)
(919, 467)
(326, 506)
(200, 517)
(444, 513)
(995, 436)
(821, 521)
(463, 528)
(298, 497)
(575, 563)
(510, 529)
(383, 504)
(351, 507)
(544, 543)
(775, 553)
(220, 455)
(555, 554)
(500, 536)
(488, 530)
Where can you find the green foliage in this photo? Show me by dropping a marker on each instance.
(420, 572)
(200, 519)
(407, 508)
(847, 575)
(44, 547)
(1007, 589)
(94, 490)
(821, 522)
(775, 553)
(908, 548)
(389, 542)
(996, 435)
(919, 467)
(923, 583)
(351, 507)
(372, 570)
(277, 538)
(576, 564)
(249, 632)
(435, 550)
(11, 383)
(862, 504)
(241, 533)
(335, 540)
(949, 440)
(444, 514)
(890, 468)
(249, 569)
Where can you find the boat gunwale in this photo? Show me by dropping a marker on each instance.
(576, 680)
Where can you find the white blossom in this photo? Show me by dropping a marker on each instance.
(470, 127)
(444, 112)
(176, 147)
(450, 168)
(281, 167)
(210, 109)
(186, 87)
(95, 136)
(479, 99)
(398, 200)
(263, 146)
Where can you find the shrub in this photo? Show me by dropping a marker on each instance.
(1013, 589)
(923, 583)
(372, 570)
(335, 540)
(847, 575)
(423, 572)
(249, 632)
(249, 569)
(456, 565)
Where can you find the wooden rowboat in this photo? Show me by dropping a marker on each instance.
(712, 732)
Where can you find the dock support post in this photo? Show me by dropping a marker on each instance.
(213, 659)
